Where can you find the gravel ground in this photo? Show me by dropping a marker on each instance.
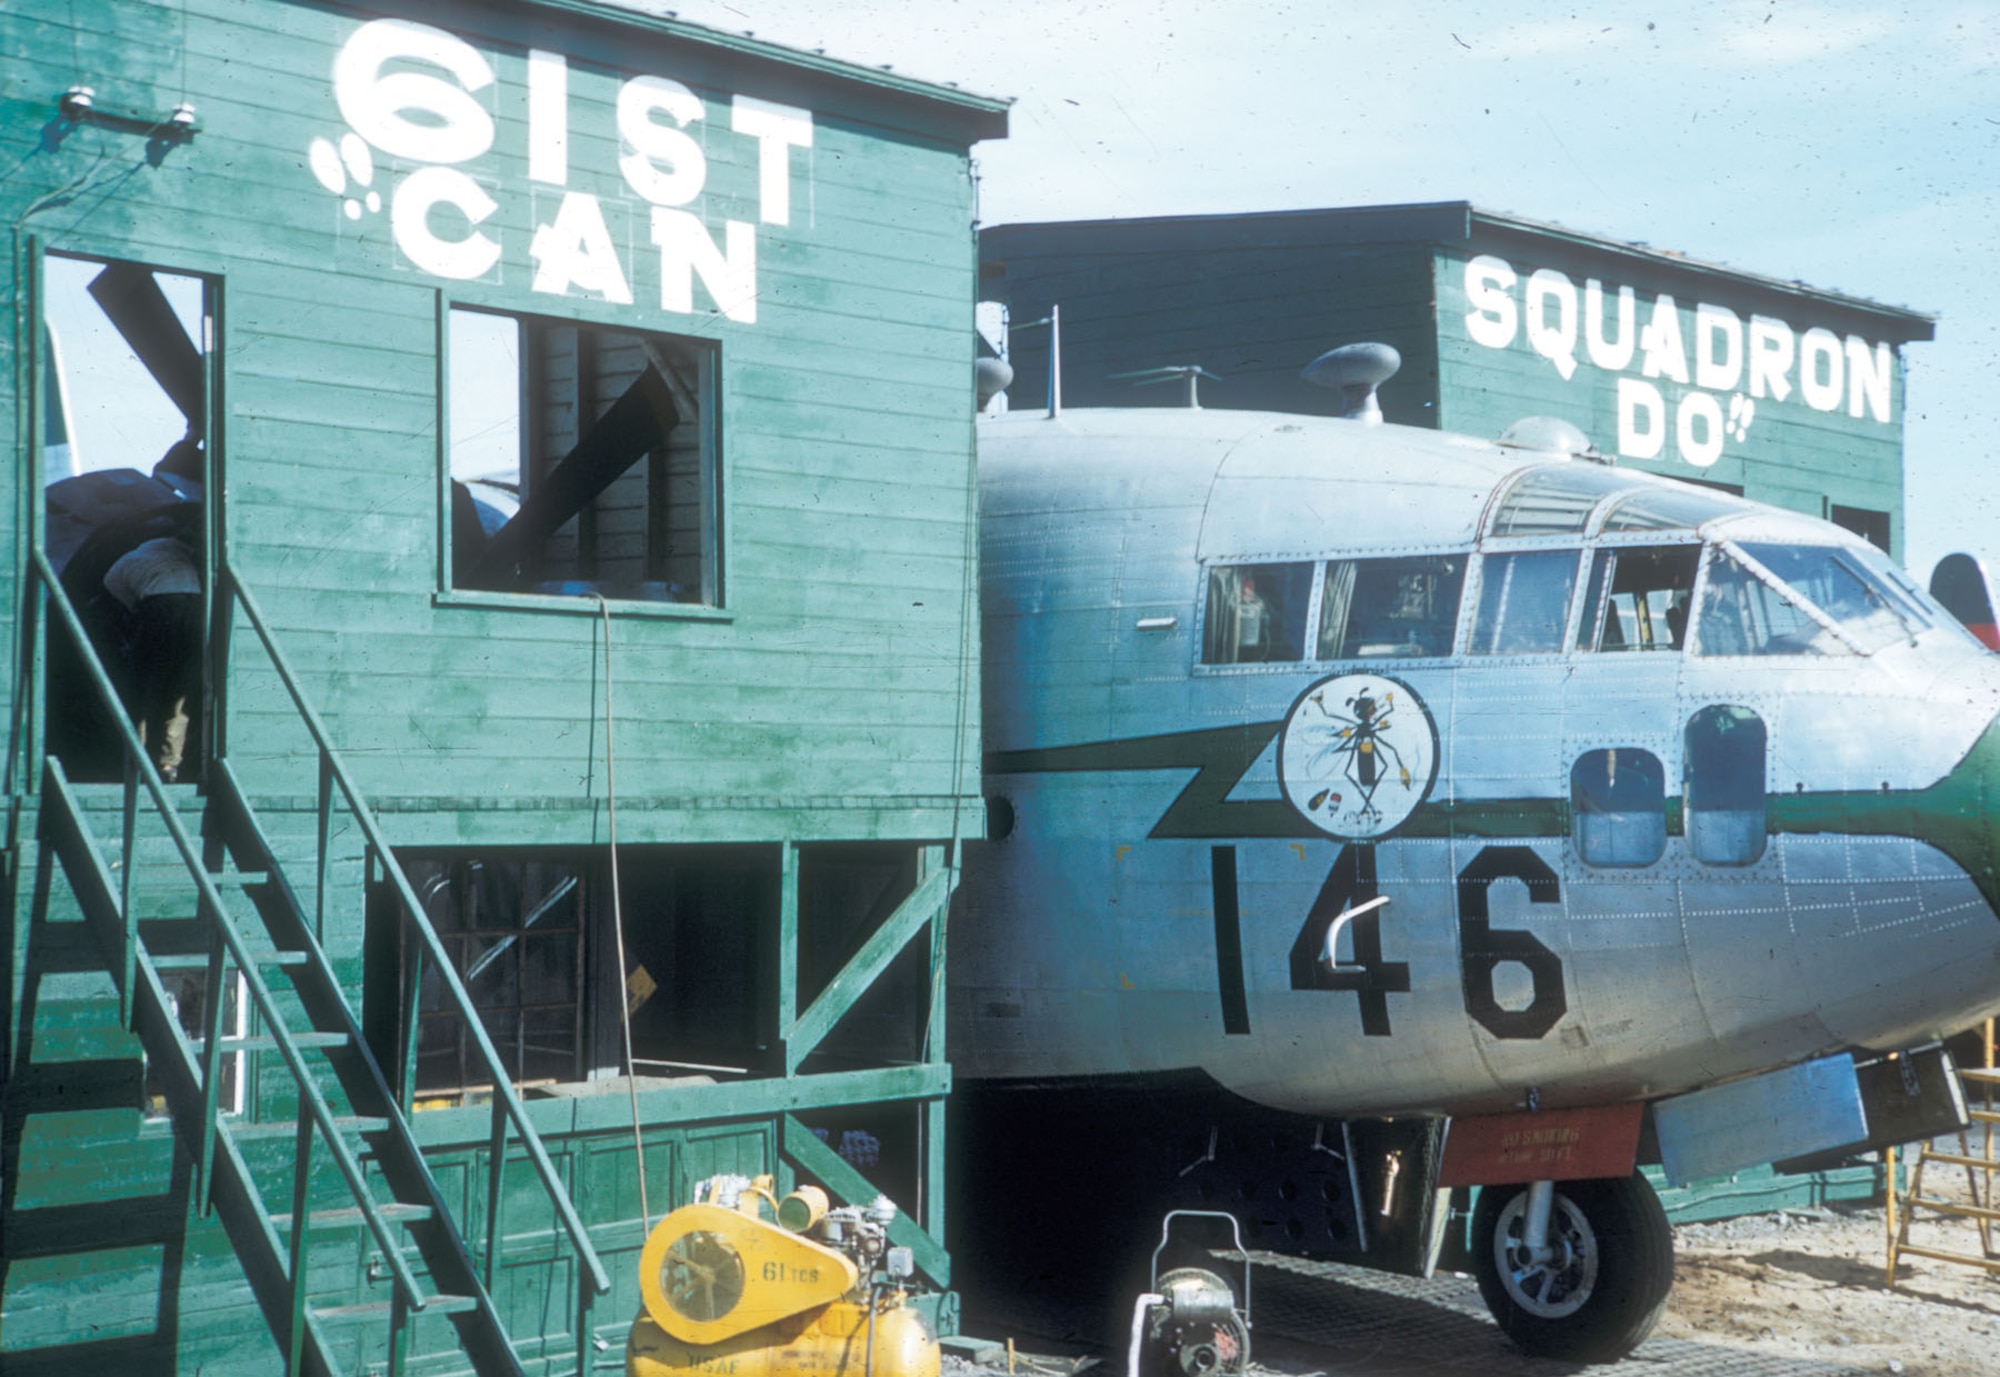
(1797, 1294)
(1810, 1286)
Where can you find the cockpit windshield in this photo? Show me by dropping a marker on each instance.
(1769, 599)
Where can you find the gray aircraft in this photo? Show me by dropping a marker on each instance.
(1375, 811)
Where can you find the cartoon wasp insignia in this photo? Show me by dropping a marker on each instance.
(1360, 740)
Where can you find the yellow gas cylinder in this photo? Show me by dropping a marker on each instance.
(728, 1294)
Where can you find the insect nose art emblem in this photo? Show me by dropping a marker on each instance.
(1358, 754)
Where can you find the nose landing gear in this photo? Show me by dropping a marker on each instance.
(1578, 1270)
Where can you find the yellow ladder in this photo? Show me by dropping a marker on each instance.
(1982, 1098)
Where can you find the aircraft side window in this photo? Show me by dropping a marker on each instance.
(1740, 614)
(1638, 599)
(1722, 785)
(1618, 807)
(1256, 613)
(1524, 602)
(1385, 608)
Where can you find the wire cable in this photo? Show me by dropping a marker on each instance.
(618, 922)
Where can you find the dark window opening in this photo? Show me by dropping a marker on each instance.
(515, 932)
(1256, 613)
(846, 892)
(1524, 602)
(1618, 807)
(1638, 599)
(1871, 526)
(1384, 608)
(124, 422)
(187, 1001)
(583, 460)
(1722, 785)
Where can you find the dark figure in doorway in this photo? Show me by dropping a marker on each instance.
(159, 584)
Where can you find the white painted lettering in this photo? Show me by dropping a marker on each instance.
(778, 129)
(1820, 382)
(1698, 429)
(409, 220)
(1640, 402)
(686, 252)
(454, 126)
(645, 145)
(1610, 355)
(1717, 371)
(1867, 378)
(548, 118)
(1489, 283)
(1557, 342)
(1771, 350)
(1666, 356)
(576, 251)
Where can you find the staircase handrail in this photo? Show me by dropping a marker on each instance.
(137, 762)
(419, 921)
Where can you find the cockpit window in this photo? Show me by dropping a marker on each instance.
(1669, 509)
(1379, 608)
(1524, 602)
(1556, 500)
(1740, 614)
(1638, 598)
(1867, 609)
(1256, 613)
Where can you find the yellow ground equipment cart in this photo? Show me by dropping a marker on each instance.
(744, 1284)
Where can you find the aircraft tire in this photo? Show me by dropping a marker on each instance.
(1608, 1284)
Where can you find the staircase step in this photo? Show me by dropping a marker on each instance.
(395, 1211)
(264, 1042)
(1953, 1207)
(1983, 1074)
(196, 961)
(440, 1304)
(289, 1128)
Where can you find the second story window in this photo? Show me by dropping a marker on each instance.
(583, 460)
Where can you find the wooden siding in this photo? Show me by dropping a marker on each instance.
(1253, 314)
(845, 427)
(831, 696)
(1790, 455)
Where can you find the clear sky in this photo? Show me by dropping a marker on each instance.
(1852, 146)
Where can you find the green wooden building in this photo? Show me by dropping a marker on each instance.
(1772, 389)
(566, 414)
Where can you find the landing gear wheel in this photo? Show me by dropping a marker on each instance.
(1604, 1279)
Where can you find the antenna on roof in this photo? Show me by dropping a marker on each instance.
(1054, 321)
(1355, 371)
(1193, 372)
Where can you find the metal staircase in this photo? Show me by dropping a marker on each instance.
(232, 932)
(1981, 1085)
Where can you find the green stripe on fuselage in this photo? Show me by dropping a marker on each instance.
(1954, 815)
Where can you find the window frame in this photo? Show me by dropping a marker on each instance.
(1656, 769)
(1316, 591)
(712, 391)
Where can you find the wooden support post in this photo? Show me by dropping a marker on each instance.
(780, 952)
